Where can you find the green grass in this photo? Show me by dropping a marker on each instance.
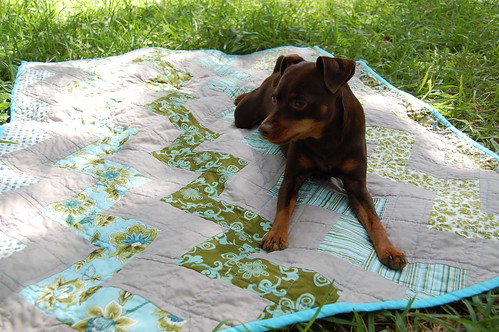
(444, 52)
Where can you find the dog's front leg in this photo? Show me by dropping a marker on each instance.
(363, 206)
(277, 237)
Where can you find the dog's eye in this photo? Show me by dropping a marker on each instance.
(298, 104)
(274, 100)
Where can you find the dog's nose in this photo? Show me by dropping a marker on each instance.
(265, 129)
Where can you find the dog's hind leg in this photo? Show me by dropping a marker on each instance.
(239, 98)
(250, 109)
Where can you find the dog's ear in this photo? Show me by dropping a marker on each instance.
(336, 71)
(289, 60)
(283, 62)
(277, 67)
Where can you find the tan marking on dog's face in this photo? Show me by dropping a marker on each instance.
(285, 131)
(309, 128)
(303, 129)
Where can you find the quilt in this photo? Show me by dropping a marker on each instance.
(129, 201)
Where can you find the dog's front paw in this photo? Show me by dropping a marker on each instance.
(275, 241)
(393, 258)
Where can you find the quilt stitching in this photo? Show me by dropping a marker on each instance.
(9, 245)
(226, 256)
(75, 296)
(457, 205)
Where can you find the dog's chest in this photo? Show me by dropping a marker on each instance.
(319, 165)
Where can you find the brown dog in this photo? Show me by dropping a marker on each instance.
(309, 110)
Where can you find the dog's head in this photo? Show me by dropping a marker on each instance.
(304, 97)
